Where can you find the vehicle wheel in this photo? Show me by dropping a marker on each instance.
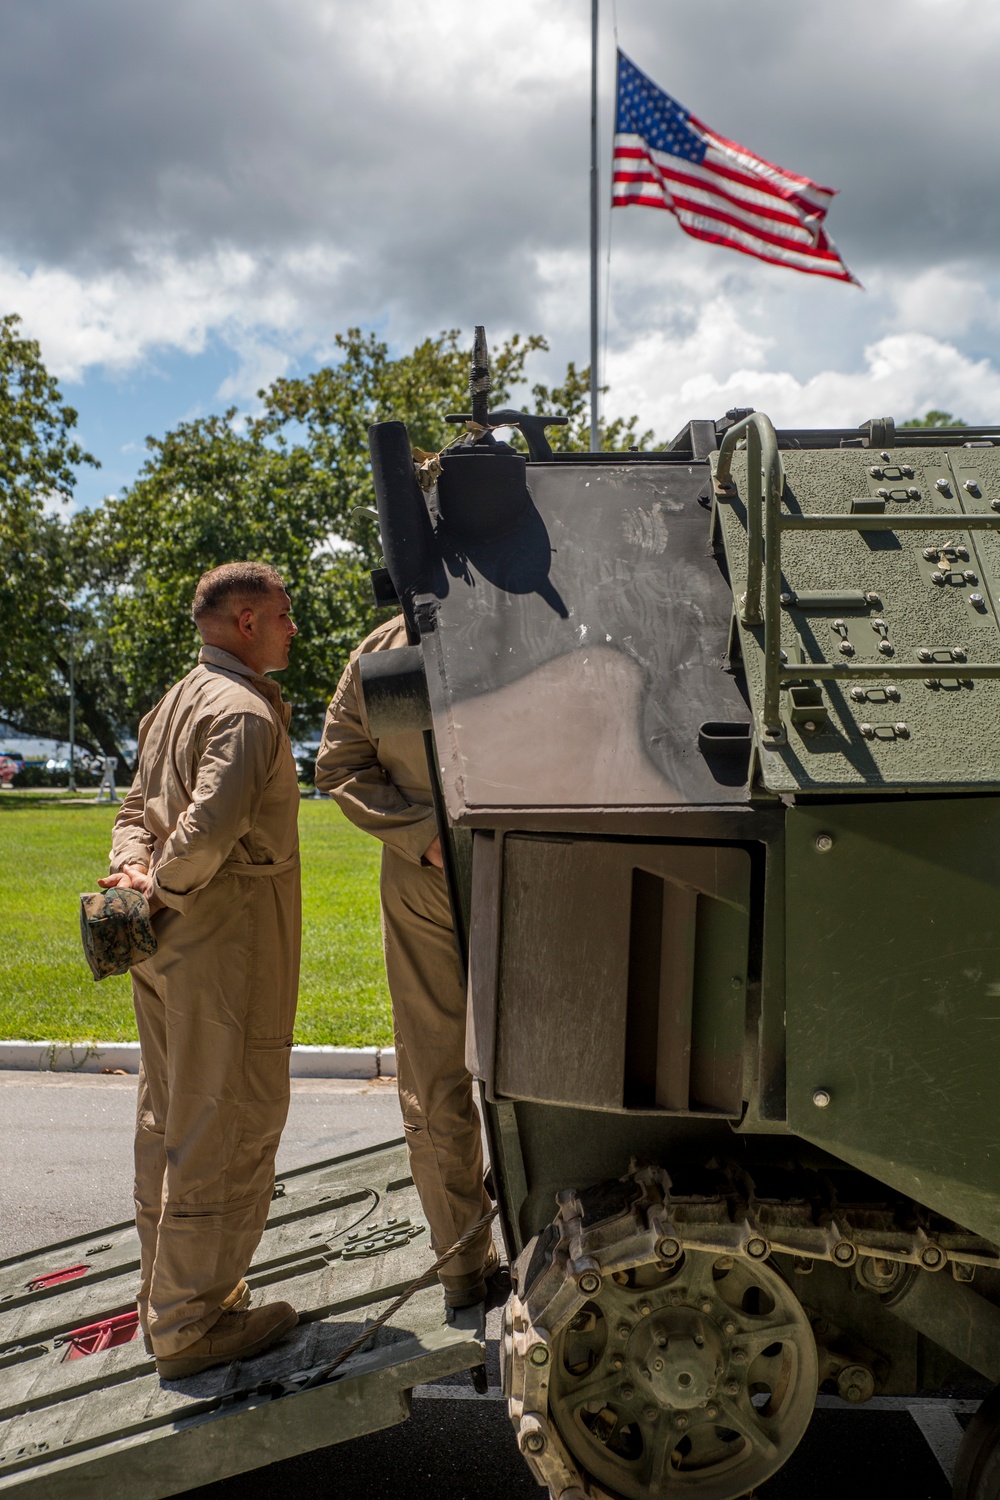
(977, 1470)
(694, 1379)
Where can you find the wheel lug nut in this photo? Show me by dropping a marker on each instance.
(729, 1327)
(706, 1305)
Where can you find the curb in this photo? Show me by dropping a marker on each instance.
(107, 1057)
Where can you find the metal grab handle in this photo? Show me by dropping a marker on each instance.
(765, 485)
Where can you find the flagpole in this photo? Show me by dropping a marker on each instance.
(595, 203)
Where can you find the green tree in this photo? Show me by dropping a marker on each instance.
(285, 487)
(46, 560)
(935, 418)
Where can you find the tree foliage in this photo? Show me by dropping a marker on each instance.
(46, 562)
(572, 399)
(283, 486)
(935, 418)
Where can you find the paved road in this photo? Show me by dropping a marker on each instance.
(67, 1140)
(67, 1145)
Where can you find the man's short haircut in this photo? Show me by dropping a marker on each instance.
(239, 580)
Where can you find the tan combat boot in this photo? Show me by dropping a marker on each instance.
(239, 1298)
(466, 1291)
(237, 1335)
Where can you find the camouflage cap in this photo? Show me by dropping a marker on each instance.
(116, 930)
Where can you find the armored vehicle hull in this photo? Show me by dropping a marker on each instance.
(715, 733)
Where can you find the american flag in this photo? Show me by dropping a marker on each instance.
(718, 191)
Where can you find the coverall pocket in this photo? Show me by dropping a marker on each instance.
(267, 1069)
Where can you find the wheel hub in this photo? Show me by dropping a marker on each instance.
(680, 1357)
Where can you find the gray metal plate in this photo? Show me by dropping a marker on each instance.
(344, 1238)
(575, 660)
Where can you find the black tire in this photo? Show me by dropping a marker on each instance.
(977, 1469)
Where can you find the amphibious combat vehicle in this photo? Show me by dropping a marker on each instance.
(715, 733)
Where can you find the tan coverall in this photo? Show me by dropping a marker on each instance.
(384, 787)
(213, 814)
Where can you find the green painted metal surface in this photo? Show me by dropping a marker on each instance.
(893, 995)
(892, 732)
(344, 1237)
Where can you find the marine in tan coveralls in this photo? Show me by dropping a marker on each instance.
(384, 787)
(209, 833)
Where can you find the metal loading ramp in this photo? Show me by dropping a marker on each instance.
(81, 1404)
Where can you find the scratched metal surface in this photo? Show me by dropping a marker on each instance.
(578, 657)
(344, 1238)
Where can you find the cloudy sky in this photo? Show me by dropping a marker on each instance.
(198, 194)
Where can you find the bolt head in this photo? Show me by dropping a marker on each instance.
(821, 1098)
(886, 648)
(711, 1412)
(729, 1327)
(624, 1329)
(589, 1282)
(645, 1308)
(995, 505)
(739, 1356)
(681, 1421)
(617, 1363)
(824, 842)
(668, 1249)
(657, 1365)
(858, 694)
(626, 1392)
(651, 1413)
(756, 1248)
(539, 1355)
(533, 1442)
(706, 1305)
(976, 599)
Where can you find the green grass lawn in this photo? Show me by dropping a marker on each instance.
(52, 848)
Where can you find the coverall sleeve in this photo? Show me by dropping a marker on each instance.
(348, 767)
(232, 772)
(131, 841)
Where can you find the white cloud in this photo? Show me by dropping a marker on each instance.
(117, 319)
(901, 375)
